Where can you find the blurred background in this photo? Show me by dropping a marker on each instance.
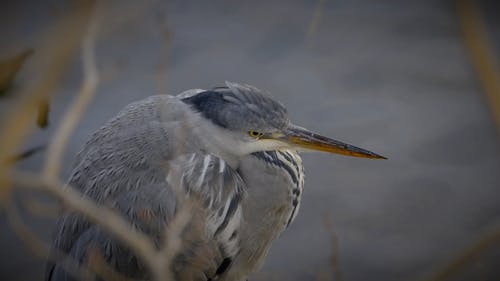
(401, 78)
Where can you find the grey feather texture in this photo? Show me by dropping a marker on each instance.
(240, 107)
(163, 147)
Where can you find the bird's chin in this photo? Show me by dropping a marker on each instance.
(266, 145)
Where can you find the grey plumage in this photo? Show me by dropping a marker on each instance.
(246, 188)
(237, 107)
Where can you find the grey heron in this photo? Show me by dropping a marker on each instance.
(232, 149)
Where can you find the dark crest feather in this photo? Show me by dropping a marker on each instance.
(239, 107)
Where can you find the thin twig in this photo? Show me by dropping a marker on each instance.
(58, 56)
(316, 18)
(481, 51)
(75, 111)
(466, 257)
(109, 220)
(37, 246)
(335, 258)
(162, 67)
(11, 160)
(173, 241)
(48, 181)
(39, 209)
(98, 264)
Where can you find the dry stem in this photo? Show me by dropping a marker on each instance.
(36, 245)
(110, 221)
(76, 110)
(14, 132)
(71, 28)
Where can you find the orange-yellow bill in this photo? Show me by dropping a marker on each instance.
(305, 139)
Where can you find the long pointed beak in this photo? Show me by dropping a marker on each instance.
(305, 139)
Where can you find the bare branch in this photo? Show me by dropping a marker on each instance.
(481, 51)
(11, 160)
(459, 262)
(76, 110)
(109, 220)
(98, 264)
(39, 209)
(173, 240)
(335, 258)
(316, 18)
(72, 29)
(58, 56)
(37, 246)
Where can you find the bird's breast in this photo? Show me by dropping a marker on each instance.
(274, 181)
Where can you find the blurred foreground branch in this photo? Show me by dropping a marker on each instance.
(19, 121)
(9, 69)
(335, 257)
(103, 216)
(481, 52)
(80, 26)
(464, 258)
(76, 110)
(36, 245)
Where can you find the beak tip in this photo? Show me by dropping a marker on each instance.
(378, 157)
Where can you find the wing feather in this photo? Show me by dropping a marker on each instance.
(137, 164)
(210, 240)
(220, 189)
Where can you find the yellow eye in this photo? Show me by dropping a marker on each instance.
(255, 134)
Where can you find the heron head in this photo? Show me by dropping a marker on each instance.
(251, 121)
